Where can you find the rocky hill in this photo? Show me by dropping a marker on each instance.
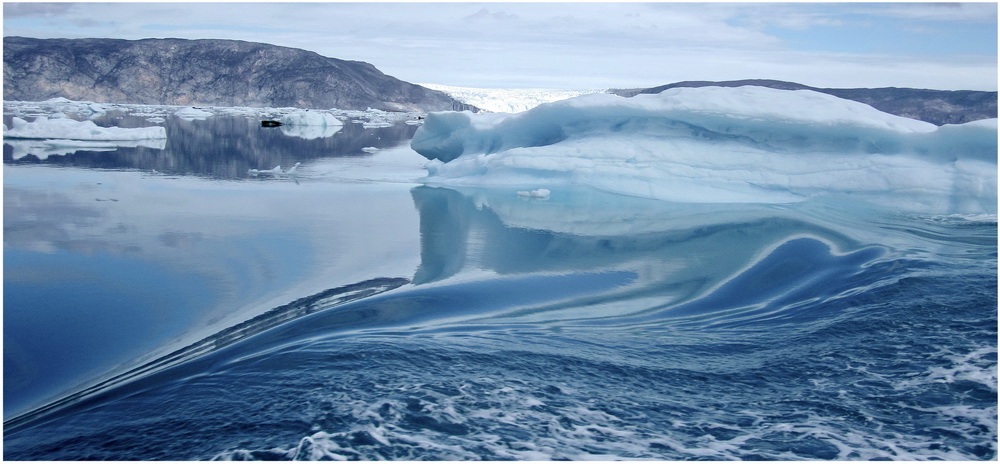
(934, 106)
(203, 72)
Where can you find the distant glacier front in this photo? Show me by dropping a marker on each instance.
(720, 145)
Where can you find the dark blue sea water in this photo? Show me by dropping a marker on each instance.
(351, 314)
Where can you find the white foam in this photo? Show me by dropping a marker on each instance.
(978, 366)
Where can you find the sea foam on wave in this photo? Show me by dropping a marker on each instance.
(713, 144)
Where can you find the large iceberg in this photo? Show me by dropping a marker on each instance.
(715, 144)
(69, 129)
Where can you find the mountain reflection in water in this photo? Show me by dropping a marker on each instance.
(221, 146)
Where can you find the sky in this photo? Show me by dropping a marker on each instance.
(571, 45)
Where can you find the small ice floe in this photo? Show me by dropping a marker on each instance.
(192, 114)
(276, 171)
(537, 193)
(308, 124)
(309, 118)
(95, 109)
(369, 149)
(266, 172)
(64, 128)
(376, 124)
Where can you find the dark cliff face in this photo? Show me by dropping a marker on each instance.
(933, 106)
(203, 72)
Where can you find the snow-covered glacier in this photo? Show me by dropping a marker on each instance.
(719, 145)
(508, 100)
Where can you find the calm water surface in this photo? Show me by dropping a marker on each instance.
(163, 303)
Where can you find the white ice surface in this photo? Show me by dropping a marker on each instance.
(68, 129)
(310, 124)
(192, 114)
(310, 118)
(507, 100)
(720, 145)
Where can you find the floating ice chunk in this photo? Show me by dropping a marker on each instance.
(97, 108)
(310, 124)
(719, 145)
(192, 114)
(266, 172)
(757, 116)
(65, 128)
(537, 193)
(376, 123)
(310, 118)
(276, 171)
(369, 149)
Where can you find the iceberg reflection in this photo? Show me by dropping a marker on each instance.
(689, 260)
(42, 149)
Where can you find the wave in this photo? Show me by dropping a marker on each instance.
(277, 316)
(724, 332)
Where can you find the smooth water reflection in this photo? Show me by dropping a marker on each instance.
(221, 146)
(108, 269)
(699, 314)
(186, 258)
(679, 252)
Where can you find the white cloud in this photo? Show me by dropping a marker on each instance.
(536, 44)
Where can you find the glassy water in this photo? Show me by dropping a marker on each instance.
(224, 146)
(198, 312)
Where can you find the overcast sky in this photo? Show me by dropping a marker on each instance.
(580, 45)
